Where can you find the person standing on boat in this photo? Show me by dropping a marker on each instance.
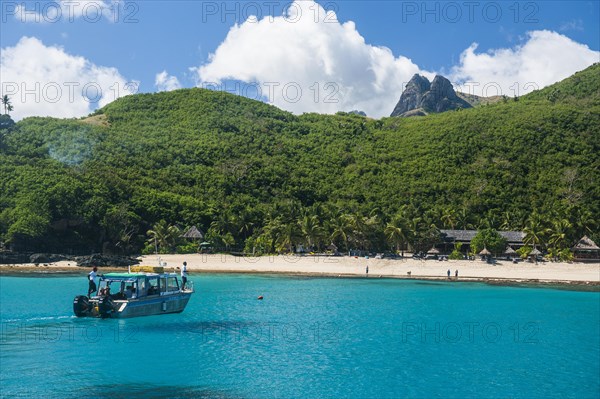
(92, 276)
(184, 275)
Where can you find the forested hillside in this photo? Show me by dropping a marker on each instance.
(254, 177)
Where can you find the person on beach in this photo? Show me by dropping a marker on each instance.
(184, 275)
(456, 274)
(448, 274)
(367, 271)
(92, 276)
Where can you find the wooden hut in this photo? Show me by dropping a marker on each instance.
(486, 255)
(509, 252)
(194, 234)
(586, 250)
(332, 248)
(433, 251)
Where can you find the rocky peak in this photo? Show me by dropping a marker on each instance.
(442, 87)
(438, 96)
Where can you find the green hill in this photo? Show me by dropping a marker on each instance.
(255, 177)
(582, 88)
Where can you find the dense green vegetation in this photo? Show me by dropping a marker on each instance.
(254, 177)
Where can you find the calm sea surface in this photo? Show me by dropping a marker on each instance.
(308, 338)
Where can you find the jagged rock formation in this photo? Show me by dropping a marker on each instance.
(421, 97)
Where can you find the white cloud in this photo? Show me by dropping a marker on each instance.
(65, 10)
(544, 58)
(308, 50)
(166, 82)
(46, 81)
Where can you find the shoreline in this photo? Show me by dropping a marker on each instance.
(577, 276)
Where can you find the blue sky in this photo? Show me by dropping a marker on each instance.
(146, 38)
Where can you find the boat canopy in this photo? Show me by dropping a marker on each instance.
(126, 276)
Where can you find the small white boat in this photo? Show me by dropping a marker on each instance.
(135, 294)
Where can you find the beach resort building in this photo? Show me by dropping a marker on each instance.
(586, 250)
(514, 239)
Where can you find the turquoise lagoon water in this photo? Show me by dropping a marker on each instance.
(308, 338)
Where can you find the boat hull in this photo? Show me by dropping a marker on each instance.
(147, 306)
(150, 306)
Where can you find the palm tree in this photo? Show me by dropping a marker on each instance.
(415, 230)
(271, 229)
(358, 229)
(341, 227)
(534, 230)
(311, 230)
(6, 103)
(584, 222)
(462, 219)
(396, 232)
(243, 223)
(163, 236)
(449, 217)
(228, 240)
(506, 221)
(559, 232)
(362, 228)
(223, 223)
(287, 236)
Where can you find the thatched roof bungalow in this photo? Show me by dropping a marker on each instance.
(586, 250)
(193, 232)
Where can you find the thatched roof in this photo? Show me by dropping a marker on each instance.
(512, 237)
(586, 244)
(485, 251)
(433, 250)
(509, 251)
(193, 232)
(535, 252)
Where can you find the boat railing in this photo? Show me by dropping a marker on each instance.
(189, 286)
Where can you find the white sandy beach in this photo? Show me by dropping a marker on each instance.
(385, 267)
(352, 266)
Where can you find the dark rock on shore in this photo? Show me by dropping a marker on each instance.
(9, 258)
(47, 258)
(105, 260)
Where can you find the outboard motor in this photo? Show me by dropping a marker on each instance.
(81, 306)
(105, 307)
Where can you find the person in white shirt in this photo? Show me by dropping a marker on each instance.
(92, 276)
(184, 275)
